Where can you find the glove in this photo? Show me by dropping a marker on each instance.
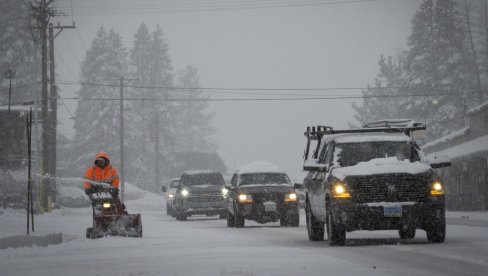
(89, 191)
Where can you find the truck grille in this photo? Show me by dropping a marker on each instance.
(391, 188)
(205, 197)
(263, 197)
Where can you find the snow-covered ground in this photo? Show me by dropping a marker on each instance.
(205, 246)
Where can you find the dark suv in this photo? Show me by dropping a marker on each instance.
(200, 193)
(371, 179)
(263, 193)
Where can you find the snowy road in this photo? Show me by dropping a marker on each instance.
(205, 246)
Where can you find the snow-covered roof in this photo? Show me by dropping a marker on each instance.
(259, 167)
(366, 137)
(446, 138)
(381, 166)
(479, 144)
(24, 108)
(477, 108)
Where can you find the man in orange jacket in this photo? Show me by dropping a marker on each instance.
(101, 171)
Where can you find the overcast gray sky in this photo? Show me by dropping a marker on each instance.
(290, 44)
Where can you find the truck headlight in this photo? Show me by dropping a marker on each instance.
(184, 192)
(171, 195)
(437, 188)
(106, 205)
(339, 190)
(243, 198)
(291, 197)
(225, 192)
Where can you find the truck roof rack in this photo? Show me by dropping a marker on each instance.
(389, 126)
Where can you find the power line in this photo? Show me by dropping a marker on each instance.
(223, 88)
(65, 65)
(264, 91)
(81, 40)
(206, 6)
(66, 107)
(268, 99)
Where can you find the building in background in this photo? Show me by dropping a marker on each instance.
(467, 179)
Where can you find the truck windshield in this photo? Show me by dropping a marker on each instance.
(349, 154)
(264, 178)
(202, 179)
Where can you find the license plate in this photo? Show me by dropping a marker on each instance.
(392, 211)
(269, 206)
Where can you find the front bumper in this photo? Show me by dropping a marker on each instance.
(204, 208)
(257, 211)
(377, 216)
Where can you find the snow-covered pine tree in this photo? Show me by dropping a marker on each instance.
(194, 129)
(18, 52)
(97, 120)
(475, 16)
(153, 117)
(439, 66)
(434, 80)
(381, 101)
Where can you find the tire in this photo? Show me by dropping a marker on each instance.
(238, 220)
(230, 220)
(315, 228)
(89, 233)
(406, 232)
(139, 231)
(294, 220)
(291, 221)
(336, 233)
(180, 216)
(168, 210)
(436, 231)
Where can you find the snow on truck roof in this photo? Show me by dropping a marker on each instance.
(200, 172)
(366, 137)
(381, 166)
(259, 167)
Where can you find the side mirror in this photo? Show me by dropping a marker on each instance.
(313, 166)
(163, 188)
(440, 161)
(298, 186)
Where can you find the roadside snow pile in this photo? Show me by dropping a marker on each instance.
(29, 241)
(478, 215)
(132, 192)
(72, 197)
(71, 193)
(65, 224)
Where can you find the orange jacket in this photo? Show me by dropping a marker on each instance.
(97, 174)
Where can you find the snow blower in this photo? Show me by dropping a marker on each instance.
(110, 216)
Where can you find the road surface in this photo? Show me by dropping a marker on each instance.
(206, 246)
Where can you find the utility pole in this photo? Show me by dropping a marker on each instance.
(53, 120)
(121, 137)
(42, 12)
(122, 185)
(9, 74)
(156, 149)
(43, 20)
